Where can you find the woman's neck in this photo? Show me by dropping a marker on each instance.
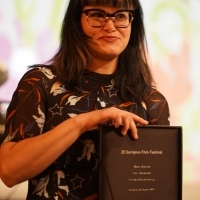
(103, 66)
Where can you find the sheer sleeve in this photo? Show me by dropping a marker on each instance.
(157, 108)
(26, 113)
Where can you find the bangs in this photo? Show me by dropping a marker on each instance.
(124, 4)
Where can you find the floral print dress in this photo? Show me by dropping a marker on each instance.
(35, 109)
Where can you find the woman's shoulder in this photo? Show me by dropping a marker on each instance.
(38, 76)
(39, 71)
(156, 95)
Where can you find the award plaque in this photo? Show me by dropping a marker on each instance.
(149, 168)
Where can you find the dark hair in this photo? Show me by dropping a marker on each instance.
(132, 76)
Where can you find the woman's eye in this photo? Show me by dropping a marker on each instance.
(120, 16)
(97, 15)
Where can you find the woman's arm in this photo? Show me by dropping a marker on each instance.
(157, 108)
(44, 149)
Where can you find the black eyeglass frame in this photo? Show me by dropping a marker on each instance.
(109, 15)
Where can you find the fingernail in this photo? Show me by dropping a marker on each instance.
(123, 132)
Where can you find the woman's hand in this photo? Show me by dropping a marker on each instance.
(113, 116)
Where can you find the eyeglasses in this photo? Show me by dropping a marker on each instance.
(97, 17)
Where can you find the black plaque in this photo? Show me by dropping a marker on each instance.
(149, 168)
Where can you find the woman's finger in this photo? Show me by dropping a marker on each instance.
(133, 130)
(139, 120)
(125, 125)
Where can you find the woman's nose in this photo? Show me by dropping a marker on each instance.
(109, 25)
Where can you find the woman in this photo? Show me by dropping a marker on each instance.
(98, 76)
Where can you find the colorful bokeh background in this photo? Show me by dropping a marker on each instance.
(29, 34)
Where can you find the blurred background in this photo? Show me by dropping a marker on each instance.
(29, 34)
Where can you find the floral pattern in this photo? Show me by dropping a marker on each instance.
(35, 109)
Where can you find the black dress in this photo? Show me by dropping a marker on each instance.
(35, 109)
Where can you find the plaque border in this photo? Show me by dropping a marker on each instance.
(180, 151)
